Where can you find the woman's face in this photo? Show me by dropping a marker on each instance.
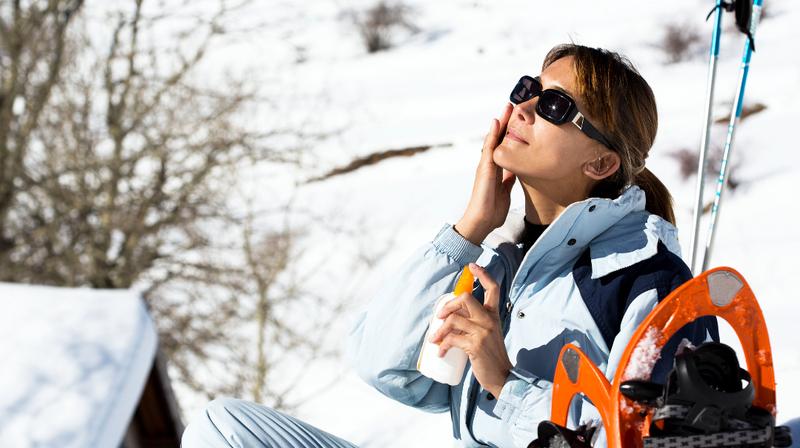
(540, 152)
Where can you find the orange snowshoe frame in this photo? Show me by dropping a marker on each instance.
(718, 292)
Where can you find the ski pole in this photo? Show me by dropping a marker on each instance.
(701, 163)
(736, 113)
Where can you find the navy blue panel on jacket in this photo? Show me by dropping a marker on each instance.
(608, 297)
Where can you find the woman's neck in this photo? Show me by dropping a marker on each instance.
(543, 204)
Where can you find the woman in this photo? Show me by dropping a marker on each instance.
(605, 253)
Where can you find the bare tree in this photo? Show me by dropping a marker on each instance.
(117, 165)
(33, 43)
(289, 318)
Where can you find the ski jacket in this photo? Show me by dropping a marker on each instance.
(589, 279)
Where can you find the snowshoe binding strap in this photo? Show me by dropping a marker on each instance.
(707, 402)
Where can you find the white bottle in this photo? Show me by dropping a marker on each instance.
(448, 369)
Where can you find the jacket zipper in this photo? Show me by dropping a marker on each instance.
(473, 388)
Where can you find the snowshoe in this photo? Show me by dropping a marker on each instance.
(707, 402)
(704, 402)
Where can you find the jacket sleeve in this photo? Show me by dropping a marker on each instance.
(385, 340)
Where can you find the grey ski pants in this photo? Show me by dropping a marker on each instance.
(229, 422)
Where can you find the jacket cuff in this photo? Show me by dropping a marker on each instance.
(518, 384)
(450, 242)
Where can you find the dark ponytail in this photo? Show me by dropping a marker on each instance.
(659, 200)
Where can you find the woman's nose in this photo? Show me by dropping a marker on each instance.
(525, 111)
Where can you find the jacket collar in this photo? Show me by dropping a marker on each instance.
(619, 232)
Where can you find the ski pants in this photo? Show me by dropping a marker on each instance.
(229, 422)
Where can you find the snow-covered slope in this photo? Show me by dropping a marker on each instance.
(445, 84)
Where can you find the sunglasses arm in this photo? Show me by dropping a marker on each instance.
(583, 124)
(578, 120)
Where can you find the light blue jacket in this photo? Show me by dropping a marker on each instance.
(589, 279)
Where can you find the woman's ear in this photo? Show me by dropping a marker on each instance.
(603, 166)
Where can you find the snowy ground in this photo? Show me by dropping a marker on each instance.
(446, 83)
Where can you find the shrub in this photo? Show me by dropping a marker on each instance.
(680, 41)
(378, 24)
(687, 164)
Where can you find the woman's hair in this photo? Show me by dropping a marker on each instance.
(623, 107)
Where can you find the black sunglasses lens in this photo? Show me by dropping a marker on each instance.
(525, 89)
(554, 107)
(520, 94)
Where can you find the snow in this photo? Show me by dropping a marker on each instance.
(75, 362)
(445, 84)
(644, 356)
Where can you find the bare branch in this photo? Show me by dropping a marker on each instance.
(374, 158)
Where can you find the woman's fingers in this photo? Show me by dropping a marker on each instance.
(461, 341)
(496, 131)
(490, 138)
(453, 306)
(502, 181)
(490, 198)
(468, 306)
(454, 322)
(507, 113)
(504, 121)
(491, 295)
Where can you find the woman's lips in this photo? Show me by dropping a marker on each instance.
(514, 136)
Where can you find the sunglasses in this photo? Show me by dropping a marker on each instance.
(554, 106)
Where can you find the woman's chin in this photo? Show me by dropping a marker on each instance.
(503, 146)
(501, 157)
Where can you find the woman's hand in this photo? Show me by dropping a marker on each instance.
(476, 329)
(491, 193)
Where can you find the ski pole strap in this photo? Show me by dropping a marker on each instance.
(722, 5)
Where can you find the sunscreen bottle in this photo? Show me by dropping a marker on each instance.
(448, 369)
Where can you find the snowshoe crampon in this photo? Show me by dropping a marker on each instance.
(708, 401)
